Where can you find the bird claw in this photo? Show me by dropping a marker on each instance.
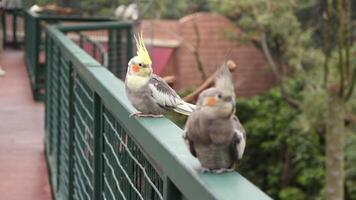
(139, 114)
(216, 171)
(222, 170)
(205, 170)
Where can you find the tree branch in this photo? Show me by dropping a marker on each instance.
(169, 79)
(292, 102)
(270, 60)
(327, 41)
(326, 70)
(207, 83)
(351, 86)
(340, 46)
(347, 40)
(192, 49)
(196, 52)
(350, 117)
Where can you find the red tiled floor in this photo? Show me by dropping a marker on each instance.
(23, 172)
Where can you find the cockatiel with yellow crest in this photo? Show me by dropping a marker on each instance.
(147, 92)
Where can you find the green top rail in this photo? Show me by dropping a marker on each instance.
(34, 44)
(94, 26)
(160, 139)
(50, 17)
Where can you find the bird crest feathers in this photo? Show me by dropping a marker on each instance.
(223, 80)
(142, 52)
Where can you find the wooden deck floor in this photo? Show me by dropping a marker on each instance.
(23, 172)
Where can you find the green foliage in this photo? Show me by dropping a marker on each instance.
(44, 2)
(280, 157)
(350, 155)
(167, 9)
(291, 193)
(312, 42)
(287, 36)
(171, 9)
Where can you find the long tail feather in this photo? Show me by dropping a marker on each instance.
(184, 108)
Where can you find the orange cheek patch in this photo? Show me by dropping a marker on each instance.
(210, 101)
(135, 68)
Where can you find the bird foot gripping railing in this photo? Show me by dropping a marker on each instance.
(96, 151)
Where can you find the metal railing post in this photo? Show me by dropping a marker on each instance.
(47, 97)
(98, 147)
(3, 22)
(170, 191)
(71, 134)
(128, 50)
(94, 50)
(118, 50)
(111, 64)
(59, 130)
(14, 29)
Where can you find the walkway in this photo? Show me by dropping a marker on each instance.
(23, 172)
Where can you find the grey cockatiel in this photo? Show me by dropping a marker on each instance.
(147, 92)
(213, 133)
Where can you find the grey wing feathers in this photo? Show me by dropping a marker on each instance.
(166, 97)
(191, 128)
(190, 144)
(238, 126)
(239, 138)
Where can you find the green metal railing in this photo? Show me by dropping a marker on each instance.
(13, 27)
(107, 42)
(94, 48)
(35, 25)
(96, 151)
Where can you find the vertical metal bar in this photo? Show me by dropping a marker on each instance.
(94, 49)
(170, 191)
(128, 49)
(111, 64)
(48, 104)
(3, 21)
(118, 56)
(35, 63)
(102, 58)
(98, 147)
(59, 118)
(81, 41)
(14, 27)
(47, 89)
(71, 134)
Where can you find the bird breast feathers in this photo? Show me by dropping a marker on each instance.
(136, 82)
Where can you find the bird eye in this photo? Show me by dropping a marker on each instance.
(140, 64)
(219, 96)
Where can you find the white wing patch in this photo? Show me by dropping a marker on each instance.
(240, 147)
(161, 98)
(166, 97)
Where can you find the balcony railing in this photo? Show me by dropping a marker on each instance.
(12, 27)
(96, 151)
(35, 25)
